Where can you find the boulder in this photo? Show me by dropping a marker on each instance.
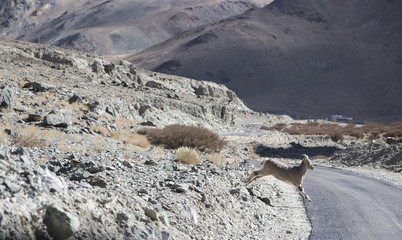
(60, 224)
(39, 87)
(6, 98)
(58, 118)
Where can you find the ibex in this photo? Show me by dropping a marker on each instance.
(290, 174)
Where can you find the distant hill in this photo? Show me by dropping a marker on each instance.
(307, 58)
(111, 26)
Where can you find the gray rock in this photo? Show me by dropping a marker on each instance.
(180, 188)
(143, 191)
(96, 168)
(3, 151)
(80, 175)
(19, 151)
(152, 214)
(58, 118)
(127, 164)
(13, 187)
(194, 216)
(151, 163)
(53, 183)
(39, 87)
(34, 118)
(26, 160)
(75, 99)
(165, 235)
(98, 183)
(154, 84)
(122, 219)
(60, 224)
(6, 96)
(234, 191)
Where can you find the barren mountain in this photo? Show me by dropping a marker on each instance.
(306, 58)
(114, 26)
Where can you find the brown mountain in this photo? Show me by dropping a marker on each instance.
(111, 26)
(301, 57)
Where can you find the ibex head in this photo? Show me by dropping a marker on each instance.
(307, 161)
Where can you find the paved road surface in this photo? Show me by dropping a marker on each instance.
(348, 206)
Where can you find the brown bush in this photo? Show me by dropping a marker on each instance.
(177, 135)
(278, 127)
(336, 137)
(337, 132)
(394, 130)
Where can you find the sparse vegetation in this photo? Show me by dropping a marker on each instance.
(177, 135)
(218, 159)
(370, 130)
(27, 137)
(187, 155)
(3, 136)
(127, 137)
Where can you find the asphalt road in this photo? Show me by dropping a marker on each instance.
(349, 206)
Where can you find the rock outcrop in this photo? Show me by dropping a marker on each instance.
(139, 95)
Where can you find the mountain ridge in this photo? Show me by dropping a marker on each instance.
(110, 27)
(281, 53)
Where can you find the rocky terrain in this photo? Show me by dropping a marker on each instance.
(111, 27)
(306, 58)
(73, 166)
(83, 171)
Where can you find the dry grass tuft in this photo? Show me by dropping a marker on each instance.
(177, 135)
(28, 137)
(187, 156)
(218, 159)
(126, 136)
(3, 136)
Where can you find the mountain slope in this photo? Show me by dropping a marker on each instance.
(113, 26)
(306, 58)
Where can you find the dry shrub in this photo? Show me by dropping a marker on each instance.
(97, 144)
(218, 159)
(394, 130)
(177, 135)
(370, 130)
(352, 130)
(154, 135)
(277, 127)
(336, 137)
(187, 155)
(101, 130)
(126, 136)
(3, 136)
(130, 138)
(28, 137)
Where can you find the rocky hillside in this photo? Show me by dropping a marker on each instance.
(117, 90)
(304, 58)
(111, 27)
(72, 164)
